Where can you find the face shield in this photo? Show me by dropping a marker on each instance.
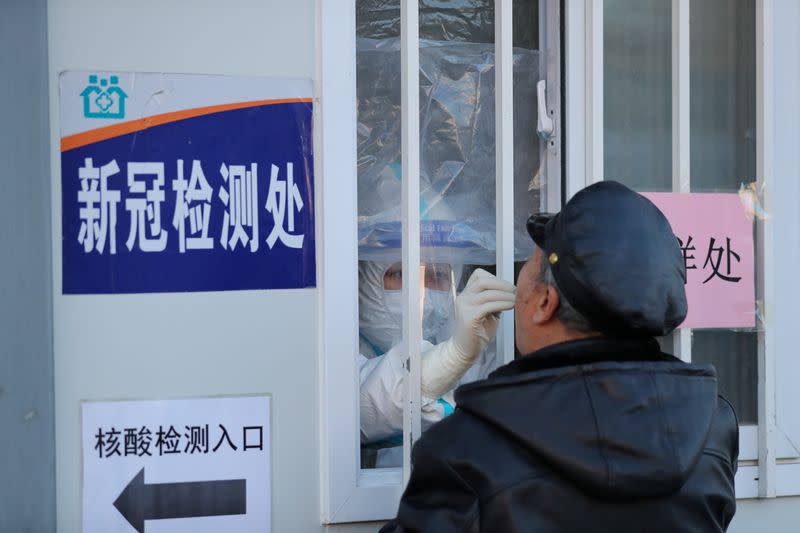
(381, 305)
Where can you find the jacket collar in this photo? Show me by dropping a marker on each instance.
(615, 417)
(586, 351)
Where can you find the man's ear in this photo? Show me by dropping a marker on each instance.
(547, 302)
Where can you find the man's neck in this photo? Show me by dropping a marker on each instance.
(587, 351)
(556, 334)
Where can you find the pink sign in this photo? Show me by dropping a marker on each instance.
(715, 232)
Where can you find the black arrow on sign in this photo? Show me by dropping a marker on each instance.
(139, 502)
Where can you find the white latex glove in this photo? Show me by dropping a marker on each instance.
(477, 311)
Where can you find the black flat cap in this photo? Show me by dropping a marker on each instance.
(616, 260)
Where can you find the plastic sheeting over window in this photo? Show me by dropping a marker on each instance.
(449, 20)
(457, 175)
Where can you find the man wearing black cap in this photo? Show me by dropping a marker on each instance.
(595, 429)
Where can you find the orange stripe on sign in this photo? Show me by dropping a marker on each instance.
(108, 132)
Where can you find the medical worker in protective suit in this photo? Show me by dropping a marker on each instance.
(456, 331)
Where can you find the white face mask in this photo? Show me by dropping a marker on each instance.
(437, 313)
(393, 304)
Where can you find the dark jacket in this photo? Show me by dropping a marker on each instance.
(591, 435)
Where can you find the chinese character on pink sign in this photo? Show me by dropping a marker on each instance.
(715, 232)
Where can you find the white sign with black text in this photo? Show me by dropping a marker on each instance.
(188, 465)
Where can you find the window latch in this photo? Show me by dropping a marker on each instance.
(544, 124)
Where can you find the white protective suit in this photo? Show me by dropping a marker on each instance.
(447, 361)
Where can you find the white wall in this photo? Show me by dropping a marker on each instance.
(162, 346)
(169, 345)
(780, 515)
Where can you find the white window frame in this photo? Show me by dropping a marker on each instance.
(769, 464)
(348, 493)
(777, 35)
(769, 451)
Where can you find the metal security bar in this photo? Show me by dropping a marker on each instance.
(504, 165)
(412, 319)
(681, 111)
(594, 91)
(550, 72)
(764, 284)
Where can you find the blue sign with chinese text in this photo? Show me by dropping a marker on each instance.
(212, 198)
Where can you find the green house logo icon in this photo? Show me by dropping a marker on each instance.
(103, 98)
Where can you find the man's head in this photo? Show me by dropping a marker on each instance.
(543, 316)
(607, 264)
